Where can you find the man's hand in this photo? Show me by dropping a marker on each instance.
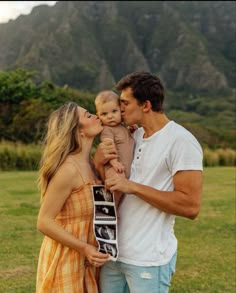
(120, 183)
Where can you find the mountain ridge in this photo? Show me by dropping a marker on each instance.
(92, 44)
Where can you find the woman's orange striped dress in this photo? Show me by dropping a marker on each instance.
(61, 269)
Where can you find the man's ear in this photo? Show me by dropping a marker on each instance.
(147, 106)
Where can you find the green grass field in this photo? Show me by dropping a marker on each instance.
(207, 246)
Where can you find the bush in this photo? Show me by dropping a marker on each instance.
(219, 157)
(227, 157)
(17, 156)
(210, 158)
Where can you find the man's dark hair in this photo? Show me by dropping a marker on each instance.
(145, 86)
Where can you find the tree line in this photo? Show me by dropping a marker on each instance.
(25, 104)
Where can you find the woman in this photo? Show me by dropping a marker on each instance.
(69, 259)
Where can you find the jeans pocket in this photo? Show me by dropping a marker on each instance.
(173, 264)
(166, 273)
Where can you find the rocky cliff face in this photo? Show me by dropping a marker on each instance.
(92, 44)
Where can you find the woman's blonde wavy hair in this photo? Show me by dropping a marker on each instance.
(62, 139)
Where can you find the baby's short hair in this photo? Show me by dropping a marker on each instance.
(106, 96)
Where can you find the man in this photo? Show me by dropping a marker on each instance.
(165, 181)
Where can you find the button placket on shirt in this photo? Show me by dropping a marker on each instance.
(137, 172)
(139, 153)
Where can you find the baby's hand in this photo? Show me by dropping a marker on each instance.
(132, 128)
(117, 166)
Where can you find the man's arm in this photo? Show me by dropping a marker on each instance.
(184, 201)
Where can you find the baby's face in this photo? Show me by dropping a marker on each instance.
(109, 113)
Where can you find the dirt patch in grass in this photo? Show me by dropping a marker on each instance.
(19, 271)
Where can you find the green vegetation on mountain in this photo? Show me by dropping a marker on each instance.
(25, 106)
(74, 49)
(92, 44)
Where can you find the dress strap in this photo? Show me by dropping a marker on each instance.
(77, 168)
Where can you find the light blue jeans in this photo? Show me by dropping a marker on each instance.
(118, 277)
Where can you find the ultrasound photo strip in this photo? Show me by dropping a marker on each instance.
(105, 221)
(105, 231)
(105, 212)
(110, 248)
(101, 194)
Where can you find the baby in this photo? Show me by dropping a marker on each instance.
(108, 110)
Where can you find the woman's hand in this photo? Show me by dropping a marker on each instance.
(95, 257)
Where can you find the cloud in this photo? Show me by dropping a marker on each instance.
(12, 9)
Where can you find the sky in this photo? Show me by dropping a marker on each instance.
(12, 9)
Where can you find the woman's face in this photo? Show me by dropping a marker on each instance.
(90, 124)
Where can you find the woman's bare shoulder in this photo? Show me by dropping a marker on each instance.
(69, 171)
